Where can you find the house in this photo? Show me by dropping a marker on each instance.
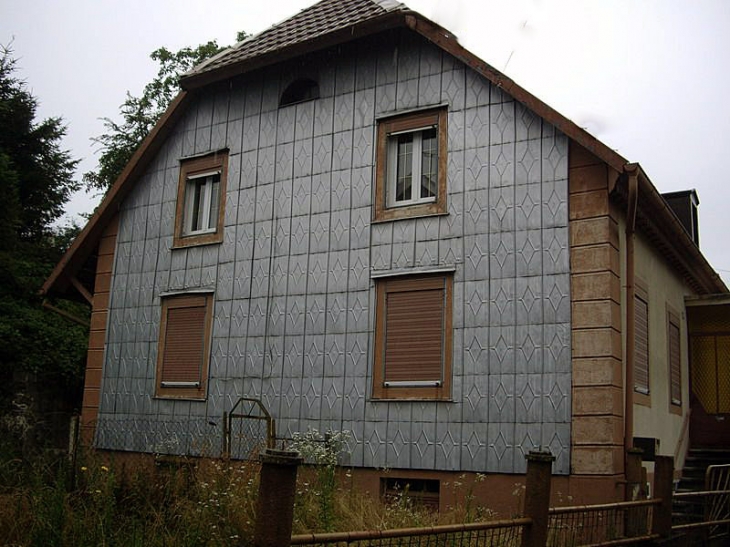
(271, 240)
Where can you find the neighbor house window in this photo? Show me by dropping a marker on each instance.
(184, 348)
(641, 341)
(201, 200)
(675, 359)
(411, 165)
(413, 337)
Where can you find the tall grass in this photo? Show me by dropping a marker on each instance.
(185, 503)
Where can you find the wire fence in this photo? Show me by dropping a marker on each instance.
(502, 533)
(601, 524)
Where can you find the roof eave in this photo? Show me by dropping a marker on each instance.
(664, 229)
(85, 243)
(448, 42)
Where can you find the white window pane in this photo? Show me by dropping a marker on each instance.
(429, 163)
(405, 168)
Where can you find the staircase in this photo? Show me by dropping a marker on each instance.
(693, 480)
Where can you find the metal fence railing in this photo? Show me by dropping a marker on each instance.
(503, 533)
(705, 517)
(618, 523)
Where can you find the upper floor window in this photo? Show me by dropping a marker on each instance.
(411, 165)
(201, 200)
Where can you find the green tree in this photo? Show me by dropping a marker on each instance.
(140, 114)
(36, 181)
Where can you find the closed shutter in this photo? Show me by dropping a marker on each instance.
(184, 341)
(414, 333)
(675, 371)
(641, 348)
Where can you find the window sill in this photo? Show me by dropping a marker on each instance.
(197, 241)
(406, 215)
(642, 399)
(180, 397)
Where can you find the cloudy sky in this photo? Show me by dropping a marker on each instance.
(650, 78)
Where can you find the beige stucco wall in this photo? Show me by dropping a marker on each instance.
(654, 416)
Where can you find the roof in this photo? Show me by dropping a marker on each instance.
(311, 23)
(329, 23)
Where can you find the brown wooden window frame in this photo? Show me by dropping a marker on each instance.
(641, 349)
(172, 383)
(674, 359)
(389, 128)
(214, 163)
(432, 388)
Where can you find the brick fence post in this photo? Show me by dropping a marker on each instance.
(275, 507)
(537, 498)
(663, 487)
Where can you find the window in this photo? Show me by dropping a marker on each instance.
(413, 337)
(423, 493)
(411, 165)
(184, 348)
(300, 90)
(675, 359)
(201, 200)
(641, 341)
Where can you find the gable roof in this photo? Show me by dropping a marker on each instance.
(329, 23)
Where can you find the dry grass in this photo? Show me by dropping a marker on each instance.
(201, 503)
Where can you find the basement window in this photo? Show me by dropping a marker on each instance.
(420, 492)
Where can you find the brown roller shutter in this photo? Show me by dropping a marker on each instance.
(184, 341)
(675, 371)
(414, 333)
(641, 348)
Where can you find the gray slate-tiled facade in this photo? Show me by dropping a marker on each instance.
(294, 299)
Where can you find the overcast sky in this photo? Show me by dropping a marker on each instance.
(650, 78)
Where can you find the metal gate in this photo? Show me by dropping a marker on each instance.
(249, 428)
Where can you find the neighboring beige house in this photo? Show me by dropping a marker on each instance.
(357, 222)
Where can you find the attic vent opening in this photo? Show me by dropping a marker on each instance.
(303, 89)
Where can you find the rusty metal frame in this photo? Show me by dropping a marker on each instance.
(228, 421)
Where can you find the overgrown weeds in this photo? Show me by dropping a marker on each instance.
(102, 502)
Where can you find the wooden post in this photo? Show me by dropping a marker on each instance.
(537, 498)
(663, 487)
(275, 507)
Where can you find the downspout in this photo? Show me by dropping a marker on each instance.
(632, 171)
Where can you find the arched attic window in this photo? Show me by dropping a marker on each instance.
(301, 89)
